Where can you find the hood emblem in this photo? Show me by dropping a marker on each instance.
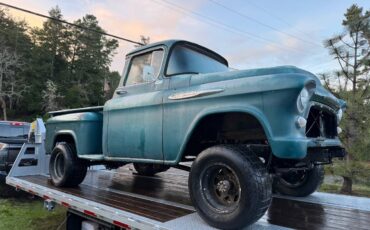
(196, 93)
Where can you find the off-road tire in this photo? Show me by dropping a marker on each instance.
(248, 172)
(147, 169)
(309, 184)
(71, 172)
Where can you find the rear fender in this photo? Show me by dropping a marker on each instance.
(70, 133)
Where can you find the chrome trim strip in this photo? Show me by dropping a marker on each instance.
(191, 94)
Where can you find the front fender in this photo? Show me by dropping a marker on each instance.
(250, 110)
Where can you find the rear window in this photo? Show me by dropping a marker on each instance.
(9, 130)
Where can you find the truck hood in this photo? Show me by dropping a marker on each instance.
(323, 96)
(229, 75)
(320, 95)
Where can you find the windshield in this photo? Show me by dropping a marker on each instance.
(185, 59)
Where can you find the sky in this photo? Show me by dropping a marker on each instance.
(248, 33)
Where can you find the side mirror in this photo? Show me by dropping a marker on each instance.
(148, 73)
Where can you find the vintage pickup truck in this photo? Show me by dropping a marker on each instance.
(248, 133)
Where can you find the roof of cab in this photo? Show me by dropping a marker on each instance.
(172, 42)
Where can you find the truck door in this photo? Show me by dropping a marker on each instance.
(134, 115)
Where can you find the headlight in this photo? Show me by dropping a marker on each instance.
(339, 130)
(303, 99)
(339, 115)
(301, 122)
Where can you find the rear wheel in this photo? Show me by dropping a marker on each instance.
(299, 183)
(147, 169)
(65, 169)
(229, 186)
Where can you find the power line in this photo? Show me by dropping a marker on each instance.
(69, 23)
(261, 23)
(275, 16)
(210, 21)
(221, 25)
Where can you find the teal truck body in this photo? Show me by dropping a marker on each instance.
(176, 99)
(84, 127)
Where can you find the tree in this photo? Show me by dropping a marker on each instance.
(111, 83)
(16, 44)
(352, 51)
(143, 40)
(90, 59)
(75, 59)
(51, 97)
(54, 45)
(9, 62)
(58, 65)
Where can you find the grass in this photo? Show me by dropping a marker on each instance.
(25, 213)
(19, 211)
(357, 190)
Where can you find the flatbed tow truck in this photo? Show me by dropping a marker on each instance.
(121, 199)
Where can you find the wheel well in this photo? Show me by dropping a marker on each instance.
(224, 128)
(65, 138)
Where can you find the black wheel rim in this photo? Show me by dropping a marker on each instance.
(221, 188)
(294, 179)
(59, 165)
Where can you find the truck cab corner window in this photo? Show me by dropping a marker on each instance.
(144, 68)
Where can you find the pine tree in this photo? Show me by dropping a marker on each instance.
(90, 60)
(352, 51)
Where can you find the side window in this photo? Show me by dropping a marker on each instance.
(145, 67)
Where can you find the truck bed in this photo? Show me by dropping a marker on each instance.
(77, 110)
(164, 201)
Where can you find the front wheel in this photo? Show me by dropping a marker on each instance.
(229, 186)
(299, 183)
(65, 169)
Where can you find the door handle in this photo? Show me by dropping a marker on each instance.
(121, 92)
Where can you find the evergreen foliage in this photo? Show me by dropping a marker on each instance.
(57, 66)
(352, 82)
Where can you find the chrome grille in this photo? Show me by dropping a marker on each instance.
(321, 123)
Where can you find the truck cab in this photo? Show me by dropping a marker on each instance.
(248, 133)
(139, 117)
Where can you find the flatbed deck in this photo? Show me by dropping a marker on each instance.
(164, 199)
(130, 201)
(106, 188)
